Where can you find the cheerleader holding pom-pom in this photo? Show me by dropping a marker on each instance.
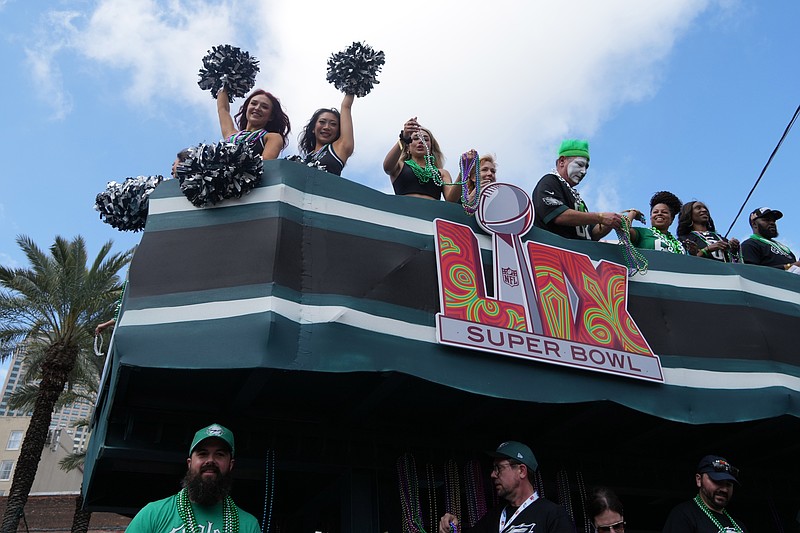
(327, 141)
(261, 124)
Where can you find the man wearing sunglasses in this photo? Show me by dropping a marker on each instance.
(707, 512)
(523, 511)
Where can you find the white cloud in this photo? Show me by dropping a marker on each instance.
(160, 45)
(511, 78)
(514, 78)
(41, 58)
(8, 261)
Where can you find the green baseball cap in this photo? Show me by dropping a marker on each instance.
(213, 431)
(518, 452)
(574, 147)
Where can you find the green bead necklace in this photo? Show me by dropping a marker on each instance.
(634, 260)
(429, 172)
(230, 514)
(703, 507)
(673, 244)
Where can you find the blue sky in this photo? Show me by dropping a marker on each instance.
(685, 95)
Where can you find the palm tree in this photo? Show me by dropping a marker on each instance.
(52, 306)
(82, 387)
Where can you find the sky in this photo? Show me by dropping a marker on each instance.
(689, 96)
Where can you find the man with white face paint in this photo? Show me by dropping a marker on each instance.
(558, 205)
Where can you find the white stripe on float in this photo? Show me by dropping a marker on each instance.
(316, 314)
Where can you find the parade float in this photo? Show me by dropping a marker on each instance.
(367, 349)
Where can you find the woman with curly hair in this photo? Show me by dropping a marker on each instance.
(696, 230)
(261, 123)
(328, 137)
(664, 207)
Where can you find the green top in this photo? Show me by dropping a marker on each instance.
(162, 517)
(653, 239)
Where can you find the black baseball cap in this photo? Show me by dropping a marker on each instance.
(718, 468)
(765, 212)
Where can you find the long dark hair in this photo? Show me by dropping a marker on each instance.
(278, 121)
(685, 219)
(307, 141)
(603, 499)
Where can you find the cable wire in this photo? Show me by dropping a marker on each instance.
(764, 170)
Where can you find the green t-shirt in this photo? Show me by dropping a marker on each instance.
(648, 240)
(162, 517)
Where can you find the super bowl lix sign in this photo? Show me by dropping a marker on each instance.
(550, 304)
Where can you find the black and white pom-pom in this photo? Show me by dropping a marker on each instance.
(230, 67)
(312, 164)
(124, 205)
(355, 70)
(219, 171)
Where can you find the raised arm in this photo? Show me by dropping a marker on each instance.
(391, 163)
(455, 191)
(345, 144)
(226, 124)
(631, 215)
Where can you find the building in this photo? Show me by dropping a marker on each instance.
(63, 419)
(50, 479)
(51, 502)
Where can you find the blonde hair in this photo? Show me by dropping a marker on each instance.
(435, 149)
(472, 173)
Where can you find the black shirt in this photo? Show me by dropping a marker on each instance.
(687, 517)
(542, 516)
(551, 197)
(757, 252)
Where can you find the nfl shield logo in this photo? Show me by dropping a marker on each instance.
(510, 277)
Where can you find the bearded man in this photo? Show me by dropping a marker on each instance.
(558, 206)
(204, 503)
(707, 512)
(762, 248)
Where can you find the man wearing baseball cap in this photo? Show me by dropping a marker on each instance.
(762, 248)
(707, 512)
(524, 511)
(557, 205)
(203, 504)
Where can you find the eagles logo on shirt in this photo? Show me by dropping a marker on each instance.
(520, 528)
(552, 201)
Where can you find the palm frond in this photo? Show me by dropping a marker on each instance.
(72, 461)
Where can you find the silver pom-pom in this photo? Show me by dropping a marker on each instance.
(218, 171)
(124, 205)
(355, 69)
(230, 67)
(312, 163)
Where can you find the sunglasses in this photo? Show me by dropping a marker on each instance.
(499, 467)
(619, 526)
(725, 466)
